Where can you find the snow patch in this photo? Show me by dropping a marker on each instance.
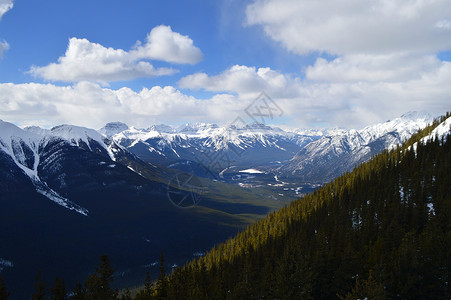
(43, 189)
(251, 171)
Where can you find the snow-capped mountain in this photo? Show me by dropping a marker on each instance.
(213, 147)
(38, 153)
(103, 200)
(113, 128)
(306, 154)
(332, 155)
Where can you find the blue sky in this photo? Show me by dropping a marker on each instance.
(325, 63)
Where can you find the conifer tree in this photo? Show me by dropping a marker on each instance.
(4, 294)
(97, 285)
(58, 292)
(161, 286)
(39, 288)
(147, 292)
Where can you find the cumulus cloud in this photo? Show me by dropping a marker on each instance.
(339, 93)
(354, 26)
(384, 56)
(309, 103)
(89, 104)
(242, 80)
(85, 60)
(373, 68)
(164, 44)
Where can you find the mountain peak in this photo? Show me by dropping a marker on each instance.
(161, 128)
(76, 133)
(113, 128)
(196, 127)
(416, 115)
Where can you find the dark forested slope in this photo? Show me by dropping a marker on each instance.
(381, 231)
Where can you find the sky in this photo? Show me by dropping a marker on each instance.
(321, 63)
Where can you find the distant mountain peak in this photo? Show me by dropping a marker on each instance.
(196, 127)
(163, 128)
(113, 128)
(416, 115)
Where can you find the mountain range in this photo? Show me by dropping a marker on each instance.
(302, 155)
(69, 194)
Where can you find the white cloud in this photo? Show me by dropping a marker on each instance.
(373, 68)
(89, 104)
(242, 80)
(305, 103)
(85, 60)
(5, 5)
(164, 44)
(385, 56)
(4, 46)
(355, 26)
(339, 93)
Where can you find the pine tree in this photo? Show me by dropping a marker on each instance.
(3, 293)
(161, 286)
(97, 285)
(147, 292)
(39, 288)
(59, 291)
(148, 286)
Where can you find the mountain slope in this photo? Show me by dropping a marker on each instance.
(68, 195)
(379, 232)
(330, 156)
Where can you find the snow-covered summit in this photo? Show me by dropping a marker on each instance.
(113, 128)
(194, 128)
(75, 134)
(23, 146)
(404, 127)
(161, 128)
(416, 115)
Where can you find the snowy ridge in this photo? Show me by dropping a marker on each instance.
(76, 134)
(211, 136)
(404, 126)
(330, 156)
(23, 146)
(439, 132)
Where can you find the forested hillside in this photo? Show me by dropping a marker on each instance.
(382, 231)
